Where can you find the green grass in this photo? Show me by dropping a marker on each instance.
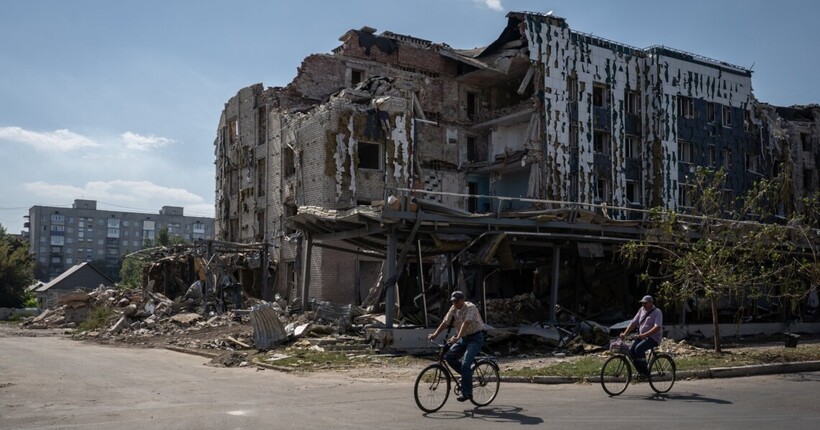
(308, 359)
(98, 318)
(590, 366)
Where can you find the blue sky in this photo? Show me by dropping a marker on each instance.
(119, 101)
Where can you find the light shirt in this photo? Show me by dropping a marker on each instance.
(655, 318)
(469, 313)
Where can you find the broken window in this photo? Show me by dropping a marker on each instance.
(710, 113)
(288, 160)
(685, 154)
(727, 116)
(685, 195)
(262, 125)
(633, 102)
(633, 192)
(472, 201)
(572, 88)
(290, 210)
(233, 230)
(472, 105)
(233, 130)
(600, 95)
(602, 190)
(808, 179)
(727, 159)
(752, 162)
(356, 76)
(260, 225)
(474, 152)
(261, 177)
(631, 147)
(601, 142)
(686, 107)
(370, 155)
(805, 139)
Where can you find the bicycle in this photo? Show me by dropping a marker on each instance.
(616, 374)
(433, 383)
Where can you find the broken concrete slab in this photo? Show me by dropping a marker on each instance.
(186, 318)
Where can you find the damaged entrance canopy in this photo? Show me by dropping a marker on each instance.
(440, 229)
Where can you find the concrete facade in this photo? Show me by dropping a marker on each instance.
(544, 115)
(64, 237)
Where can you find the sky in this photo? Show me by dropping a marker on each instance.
(119, 101)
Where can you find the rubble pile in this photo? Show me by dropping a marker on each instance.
(518, 310)
(140, 317)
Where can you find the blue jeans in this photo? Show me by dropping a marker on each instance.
(460, 358)
(638, 352)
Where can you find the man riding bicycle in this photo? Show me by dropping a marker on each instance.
(649, 321)
(467, 342)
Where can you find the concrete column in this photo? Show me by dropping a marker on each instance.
(556, 271)
(267, 290)
(306, 273)
(390, 293)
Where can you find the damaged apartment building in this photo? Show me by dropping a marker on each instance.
(503, 170)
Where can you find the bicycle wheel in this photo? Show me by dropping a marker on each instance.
(661, 373)
(485, 382)
(615, 375)
(432, 388)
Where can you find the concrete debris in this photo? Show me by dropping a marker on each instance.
(186, 319)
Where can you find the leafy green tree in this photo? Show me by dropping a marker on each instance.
(728, 249)
(16, 270)
(131, 273)
(164, 238)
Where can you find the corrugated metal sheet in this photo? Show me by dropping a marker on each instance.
(332, 312)
(267, 328)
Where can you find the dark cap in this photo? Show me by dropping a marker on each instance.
(648, 299)
(456, 295)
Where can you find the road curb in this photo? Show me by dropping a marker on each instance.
(199, 352)
(764, 369)
(714, 373)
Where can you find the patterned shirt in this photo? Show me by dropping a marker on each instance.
(469, 313)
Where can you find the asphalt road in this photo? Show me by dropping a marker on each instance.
(55, 383)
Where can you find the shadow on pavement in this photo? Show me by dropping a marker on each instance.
(495, 414)
(505, 414)
(693, 397)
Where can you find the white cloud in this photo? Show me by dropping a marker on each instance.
(492, 4)
(61, 140)
(138, 195)
(144, 143)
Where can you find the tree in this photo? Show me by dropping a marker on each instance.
(131, 273)
(16, 270)
(728, 249)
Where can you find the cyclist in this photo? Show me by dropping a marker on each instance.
(649, 322)
(467, 342)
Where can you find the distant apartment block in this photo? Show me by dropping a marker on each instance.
(63, 237)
